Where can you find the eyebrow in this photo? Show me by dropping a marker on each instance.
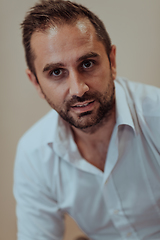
(88, 55)
(51, 66)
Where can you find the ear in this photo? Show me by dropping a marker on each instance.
(113, 61)
(33, 80)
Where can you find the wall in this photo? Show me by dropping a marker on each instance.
(134, 27)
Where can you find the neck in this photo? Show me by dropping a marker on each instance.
(93, 142)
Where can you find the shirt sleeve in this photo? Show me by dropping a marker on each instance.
(38, 214)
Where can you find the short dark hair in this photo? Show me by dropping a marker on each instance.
(57, 12)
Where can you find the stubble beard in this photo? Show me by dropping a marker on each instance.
(88, 120)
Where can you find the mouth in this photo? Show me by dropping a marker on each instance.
(83, 107)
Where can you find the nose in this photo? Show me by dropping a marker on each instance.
(77, 85)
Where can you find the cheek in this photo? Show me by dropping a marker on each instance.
(57, 94)
(102, 79)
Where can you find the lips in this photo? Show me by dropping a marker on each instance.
(83, 107)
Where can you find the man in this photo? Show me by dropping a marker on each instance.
(96, 155)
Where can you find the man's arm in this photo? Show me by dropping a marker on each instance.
(39, 217)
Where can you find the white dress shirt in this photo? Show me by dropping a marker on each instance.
(121, 203)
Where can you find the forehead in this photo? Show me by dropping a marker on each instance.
(64, 42)
(82, 29)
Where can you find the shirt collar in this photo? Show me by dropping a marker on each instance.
(123, 112)
(65, 147)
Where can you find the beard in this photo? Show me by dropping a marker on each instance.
(88, 119)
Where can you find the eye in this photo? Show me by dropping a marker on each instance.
(87, 64)
(56, 72)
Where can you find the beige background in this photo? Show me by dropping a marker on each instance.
(134, 26)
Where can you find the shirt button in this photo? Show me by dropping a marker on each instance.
(116, 211)
(129, 234)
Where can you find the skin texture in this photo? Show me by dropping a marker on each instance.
(76, 78)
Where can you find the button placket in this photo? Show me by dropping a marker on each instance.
(116, 212)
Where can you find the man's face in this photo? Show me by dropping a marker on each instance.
(74, 73)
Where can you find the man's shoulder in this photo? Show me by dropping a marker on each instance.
(145, 98)
(41, 132)
(144, 104)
